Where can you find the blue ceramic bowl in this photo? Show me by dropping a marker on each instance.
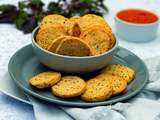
(72, 64)
(136, 32)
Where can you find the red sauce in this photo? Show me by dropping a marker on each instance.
(137, 16)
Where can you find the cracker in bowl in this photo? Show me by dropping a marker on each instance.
(97, 38)
(53, 19)
(73, 46)
(47, 35)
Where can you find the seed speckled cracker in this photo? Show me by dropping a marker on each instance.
(120, 70)
(91, 19)
(118, 83)
(97, 90)
(45, 79)
(97, 39)
(73, 46)
(56, 43)
(69, 86)
(53, 19)
(47, 35)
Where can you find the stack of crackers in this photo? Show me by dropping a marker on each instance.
(110, 81)
(87, 35)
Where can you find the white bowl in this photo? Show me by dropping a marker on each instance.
(136, 32)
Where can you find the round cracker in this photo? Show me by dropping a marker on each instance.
(56, 43)
(97, 90)
(75, 18)
(53, 19)
(90, 19)
(45, 79)
(47, 35)
(73, 46)
(69, 86)
(118, 83)
(120, 70)
(97, 38)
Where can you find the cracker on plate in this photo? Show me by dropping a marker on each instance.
(45, 79)
(118, 83)
(69, 86)
(120, 70)
(97, 90)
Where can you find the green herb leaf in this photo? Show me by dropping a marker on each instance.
(22, 5)
(21, 19)
(7, 8)
(88, 1)
(36, 2)
(54, 8)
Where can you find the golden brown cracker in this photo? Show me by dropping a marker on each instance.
(97, 90)
(97, 39)
(45, 79)
(112, 40)
(120, 70)
(54, 45)
(53, 19)
(91, 19)
(118, 83)
(73, 46)
(47, 35)
(75, 18)
(69, 86)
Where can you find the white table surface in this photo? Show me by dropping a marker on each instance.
(12, 39)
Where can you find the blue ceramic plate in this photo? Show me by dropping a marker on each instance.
(24, 64)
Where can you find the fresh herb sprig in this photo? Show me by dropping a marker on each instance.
(29, 13)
